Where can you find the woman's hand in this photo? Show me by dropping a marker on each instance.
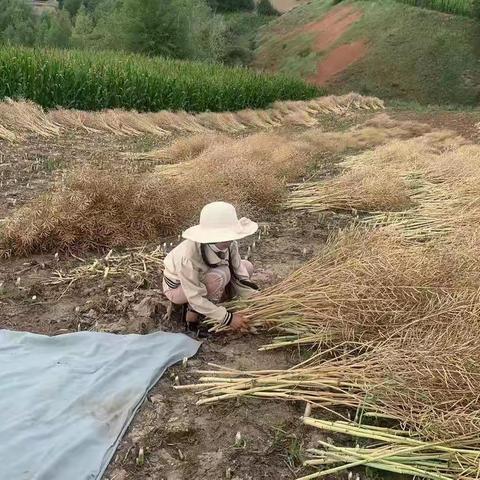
(240, 323)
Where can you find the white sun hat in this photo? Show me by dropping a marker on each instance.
(219, 223)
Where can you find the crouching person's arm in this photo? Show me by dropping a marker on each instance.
(196, 293)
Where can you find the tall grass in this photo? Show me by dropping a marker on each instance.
(99, 80)
(468, 8)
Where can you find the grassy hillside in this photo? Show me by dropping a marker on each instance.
(409, 53)
(459, 7)
(94, 81)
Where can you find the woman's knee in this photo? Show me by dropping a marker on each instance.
(176, 296)
(216, 279)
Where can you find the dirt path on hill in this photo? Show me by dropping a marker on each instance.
(339, 60)
(331, 27)
(329, 31)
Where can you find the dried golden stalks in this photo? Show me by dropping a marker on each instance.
(25, 118)
(135, 263)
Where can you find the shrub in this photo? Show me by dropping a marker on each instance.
(231, 5)
(264, 7)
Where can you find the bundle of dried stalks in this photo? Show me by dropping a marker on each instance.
(430, 379)
(393, 450)
(95, 209)
(414, 153)
(375, 131)
(385, 179)
(367, 285)
(73, 120)
(358, 190)
(174, 121)
(446, 198)
(435, 214)
(135, 263)
(332, 103)
(431, 188)
(427, 380)
(6, 134)
(327, 384)
(261, 119)
(26, 117)
(183, 149)
(250, 171)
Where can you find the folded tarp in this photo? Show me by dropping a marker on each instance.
(66, 401)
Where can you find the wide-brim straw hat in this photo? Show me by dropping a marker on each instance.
(219, 223)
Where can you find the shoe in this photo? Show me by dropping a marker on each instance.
(194, 329)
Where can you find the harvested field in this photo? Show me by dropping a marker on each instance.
(91, 210)
(22, 118)
(121, 210)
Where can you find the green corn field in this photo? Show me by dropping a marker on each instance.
(95, 81)
(468, 8)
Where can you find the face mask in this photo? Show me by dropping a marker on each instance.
(214, 247)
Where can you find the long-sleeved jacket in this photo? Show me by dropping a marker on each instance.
(185, 266)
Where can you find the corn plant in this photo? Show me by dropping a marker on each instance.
(98, 80)
(459, 7)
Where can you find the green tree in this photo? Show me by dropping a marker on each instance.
(54, 30)
(92, 5)
(72, 6)
(476, 8)
(43, 27)
(17, 22)
(264, 7)
(83, 29)
(173, 28)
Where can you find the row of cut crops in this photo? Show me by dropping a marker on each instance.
(100, 80)
(94, 206)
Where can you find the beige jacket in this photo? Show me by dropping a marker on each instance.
(184, 266)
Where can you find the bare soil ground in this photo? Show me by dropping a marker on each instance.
(331, 28)
(338, 60)
(328, 32)
(180, 440)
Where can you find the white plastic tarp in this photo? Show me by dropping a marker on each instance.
(66, 401)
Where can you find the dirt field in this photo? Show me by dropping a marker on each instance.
(181, 440)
